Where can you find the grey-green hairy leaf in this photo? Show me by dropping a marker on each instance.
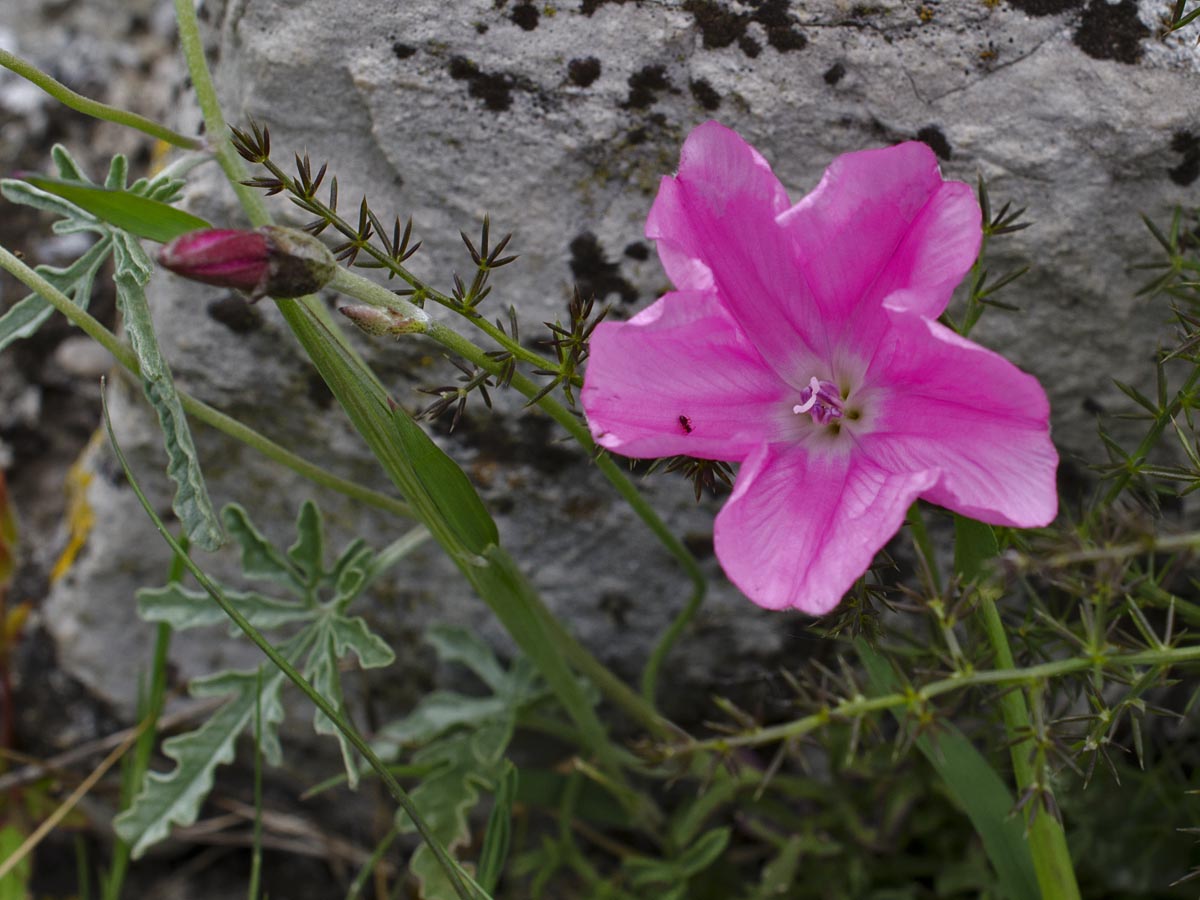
(174, 798)
(260, 559)
(73, 197)
(27, 315)
(465, 739)
(182, 609)
(320, 637)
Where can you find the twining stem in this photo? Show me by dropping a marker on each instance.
(291, 673)
(94, 108)
(1047, 840)
(195, 408)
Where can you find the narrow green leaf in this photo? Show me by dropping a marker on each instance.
(974, 544)
(446, 485)
(14, 885)
(779, 874)
(140, 216)
(704, 852)
(498, 836)
(975, 787)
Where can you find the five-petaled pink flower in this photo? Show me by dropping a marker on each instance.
(801, 341)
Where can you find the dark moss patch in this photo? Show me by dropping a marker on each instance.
(495, 90)
(782, 33)
(583, 71)
(834, 74)
(637, 250)
(235, 313)
(704, 94)
(481, 27)
(933, 137)
(749, 46)
(1187, 145)
(1111, 32)
(721, 26)
(587, 7)
(645, 85)
(402, 51)
(1045, 7)
(593, 272)
(525, 16)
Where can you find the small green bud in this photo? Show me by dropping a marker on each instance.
(378, 322)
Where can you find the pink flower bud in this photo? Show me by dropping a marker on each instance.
(222, 256)
(274, 261)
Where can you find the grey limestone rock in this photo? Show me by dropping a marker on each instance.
(558, 119)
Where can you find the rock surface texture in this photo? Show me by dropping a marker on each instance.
(558, 119)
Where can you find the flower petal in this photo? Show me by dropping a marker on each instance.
(680, 378)
(882, 222)
(715, 224)
(951, 405)
(801, 526)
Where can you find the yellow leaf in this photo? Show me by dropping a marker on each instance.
(80, 516)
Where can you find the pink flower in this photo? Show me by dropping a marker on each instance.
(801, 342)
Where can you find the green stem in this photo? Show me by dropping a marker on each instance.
(1047, 840)
(195, 408)
(292, 674)
(642, 709)
(360, 880)
(850, 709)
(192, 46)
(1161, 421)
(94, 108)
(916, 523)
(110, 888)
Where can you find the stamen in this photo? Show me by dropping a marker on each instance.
(822, 400)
